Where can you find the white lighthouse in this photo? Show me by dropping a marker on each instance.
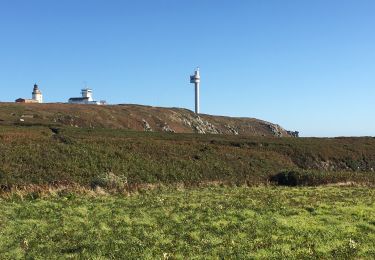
(196, 79)
(37, 94)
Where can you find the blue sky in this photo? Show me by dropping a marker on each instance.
(307, 65)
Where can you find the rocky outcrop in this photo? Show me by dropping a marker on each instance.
(293, 133)
(276, 130)
(146, 126)
(200, 126)
(167, 129)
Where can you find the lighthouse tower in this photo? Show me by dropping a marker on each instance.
(87, 93)
(196, 79)
(37, 94)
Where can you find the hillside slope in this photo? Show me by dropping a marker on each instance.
(43, 155)
(135, 117)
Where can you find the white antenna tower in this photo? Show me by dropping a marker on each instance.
(196, 79)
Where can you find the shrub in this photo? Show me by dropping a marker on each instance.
(314, 178)
(110, 181)
(308, 178)
(287, 178)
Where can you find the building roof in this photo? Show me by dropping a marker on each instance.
(36, 89)
(78, 98)
(25, 100)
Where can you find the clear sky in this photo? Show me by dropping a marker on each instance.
(307, 65)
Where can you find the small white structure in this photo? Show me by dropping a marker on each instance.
(37, 96)
(86, 98)
(196, 79)
(87, 93)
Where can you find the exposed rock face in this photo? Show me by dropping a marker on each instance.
(146, 126)
(136, 117)
(200, 126)
(277, 130)
(167, 129)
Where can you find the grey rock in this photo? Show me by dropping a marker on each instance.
(166, 128)
(146, 126)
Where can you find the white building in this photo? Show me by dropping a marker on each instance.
(86, 98)
(37, 96)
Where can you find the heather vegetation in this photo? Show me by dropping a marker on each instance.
(92, 157)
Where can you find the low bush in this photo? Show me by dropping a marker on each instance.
(110, 181)
(315, 178)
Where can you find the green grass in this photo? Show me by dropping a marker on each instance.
(237, 223)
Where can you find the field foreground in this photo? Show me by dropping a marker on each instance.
(257, 222)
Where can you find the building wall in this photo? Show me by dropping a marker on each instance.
(38, 97)
(23, 100)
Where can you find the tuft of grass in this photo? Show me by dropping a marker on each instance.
(111, 181)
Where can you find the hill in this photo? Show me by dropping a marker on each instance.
(112, 157)
(138, 145)
(63, 181)
(135, 117)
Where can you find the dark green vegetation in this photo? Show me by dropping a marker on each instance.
(230, 223)
(90, 157)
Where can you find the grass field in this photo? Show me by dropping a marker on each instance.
(217, 222)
